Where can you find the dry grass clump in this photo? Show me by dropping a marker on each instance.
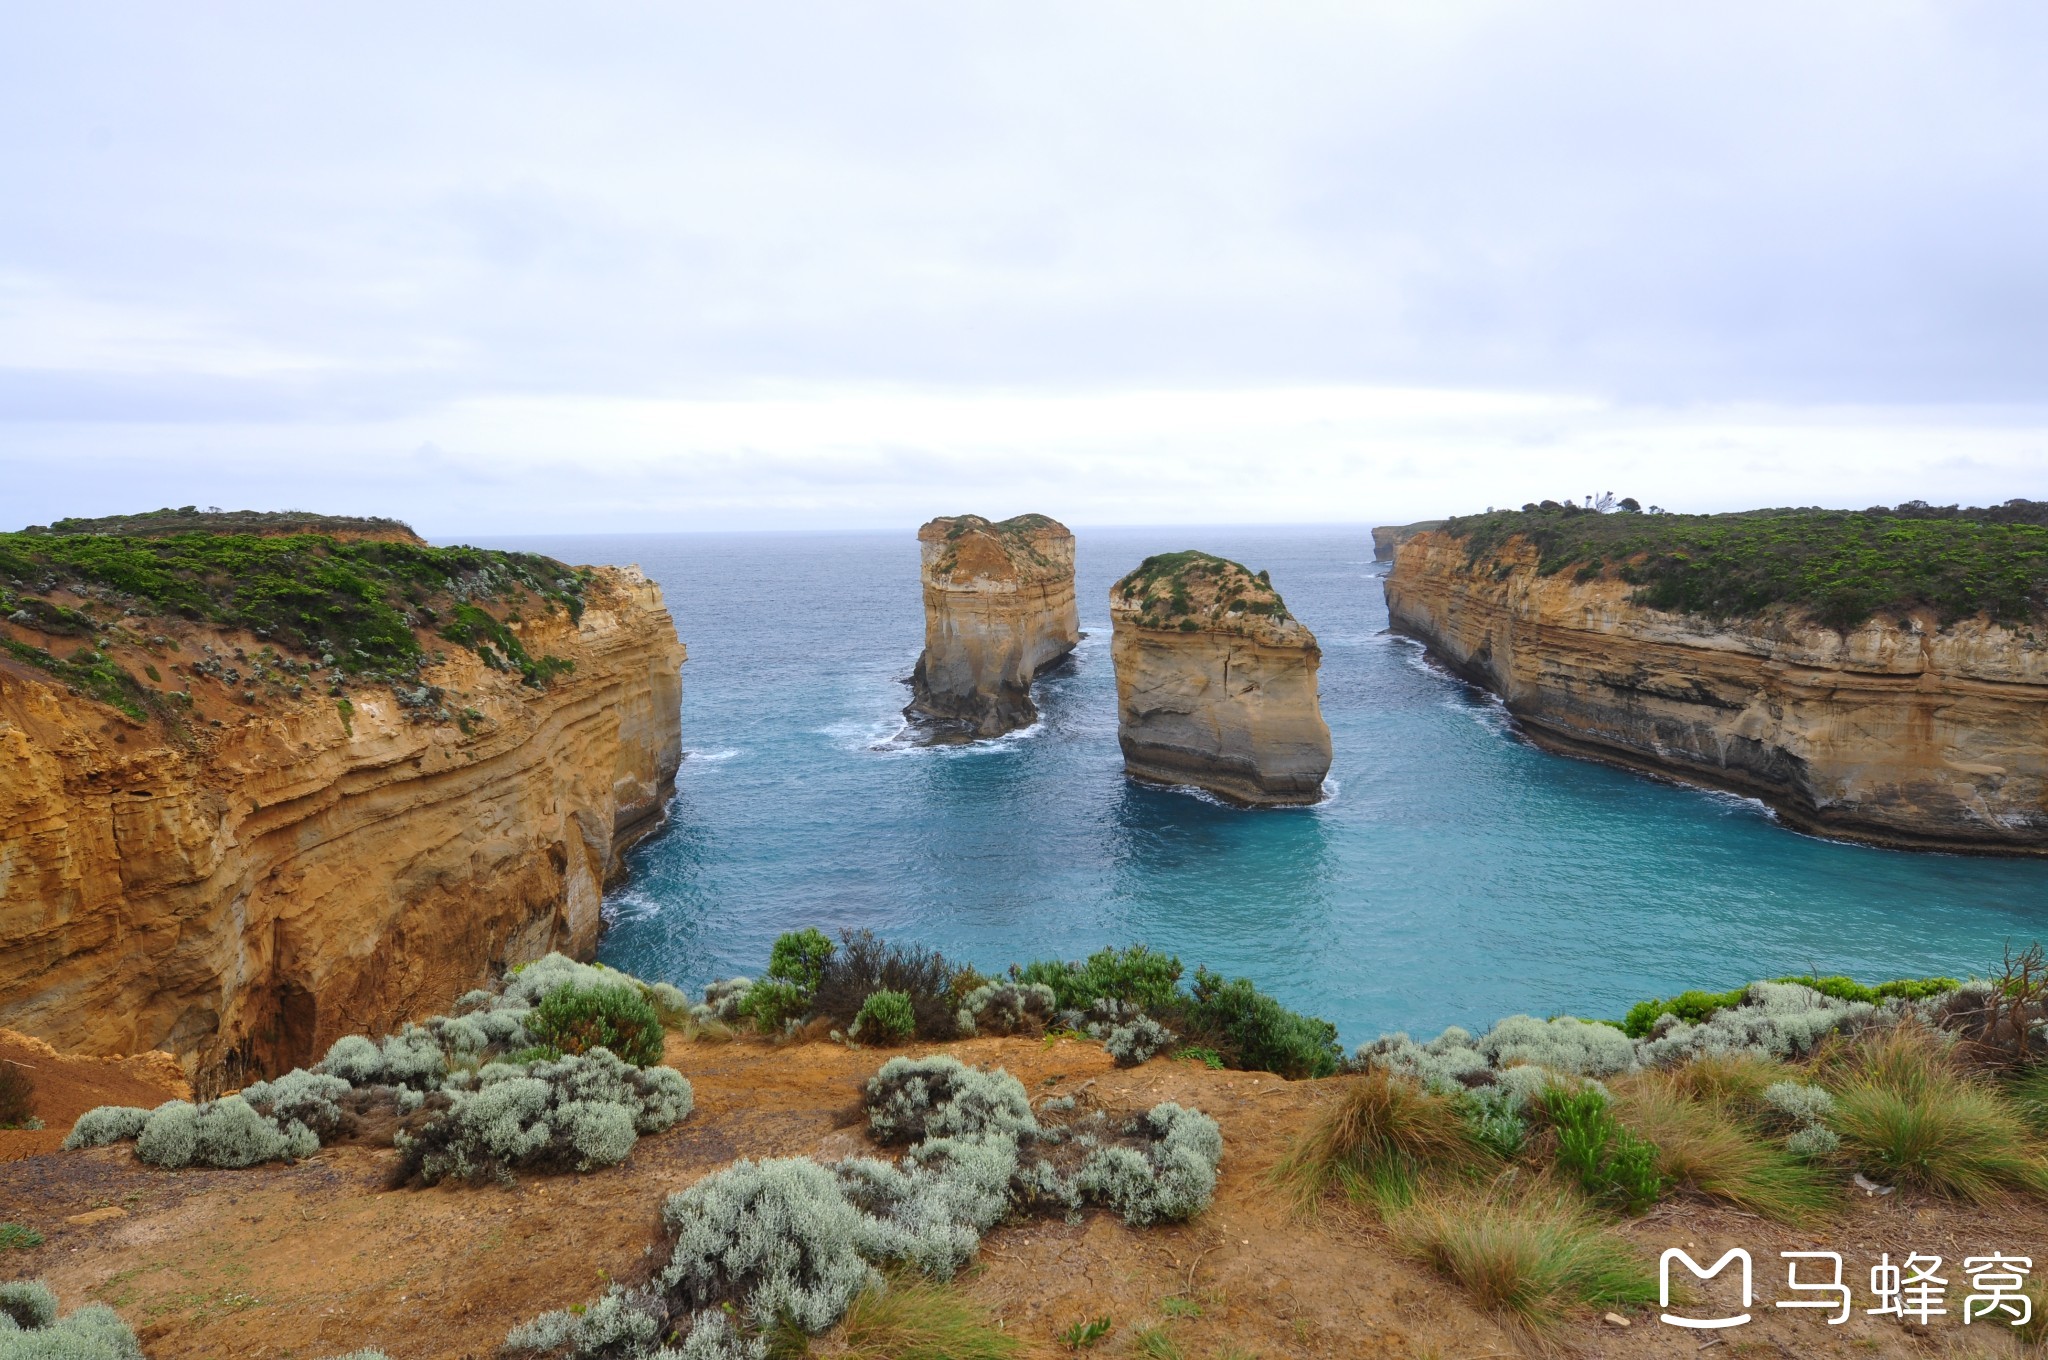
(1736, 1080)
(1704, 1144)
(1908, 1111)
(914, 1319)
(1374, 1138)
(17, 1096)
(1535, 1257)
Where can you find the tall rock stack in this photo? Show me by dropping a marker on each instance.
(1216, 682)
(998, 611)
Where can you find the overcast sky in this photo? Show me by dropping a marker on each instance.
(512, 268)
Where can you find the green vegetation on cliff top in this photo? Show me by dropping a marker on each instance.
(1843, 566)
(1018, 535)
(1182, 589)
(191, 519)
(360, 603)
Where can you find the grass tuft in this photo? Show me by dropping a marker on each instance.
(1374, 1138)
(1909, 1113)
(1705, 1145)
(914, 1319)
(1534, 1258)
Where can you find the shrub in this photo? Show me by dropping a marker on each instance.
(1170, 1178)
(1776, 1020)
(31, 1329)
(1706, 1146)
(723, 1001)
(1908, 1113)
(577, 1019)
(917, 1320)
(219, 1133)
(1007, 1008)
(30, 1304)
(578, 1112)
(1799, 1102)
(864, 965)
(885, 1017)
(17, 1097)
(1534, 1259)
(786, 1245)
(312, 1099)
(772, 1004)
(355, 1059)
(1696, 1007)
(1375, 1136)
(1132, 1043)
(1611, 1163)
(911, 1099)
(799, 957)
(105, 1124)
(1256, 1032)
(1135, 976)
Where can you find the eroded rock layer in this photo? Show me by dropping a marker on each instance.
(1899, 731)
(998, 610)
(246, 890)
(1216, 682)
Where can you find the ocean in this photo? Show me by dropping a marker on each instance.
(1455, 874)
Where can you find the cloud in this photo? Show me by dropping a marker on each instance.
(347, 233)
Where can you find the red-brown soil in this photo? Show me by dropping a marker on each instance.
(66, 1087)
(321, 1258)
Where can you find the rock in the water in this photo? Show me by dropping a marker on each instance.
(998, 611)
(1216, 682)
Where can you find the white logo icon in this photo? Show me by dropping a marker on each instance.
(1664, 1286)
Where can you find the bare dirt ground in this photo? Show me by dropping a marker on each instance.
(321, 1258)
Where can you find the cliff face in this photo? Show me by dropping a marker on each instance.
(288, 867)
(1388, 537)
(1216, 683)
(1898, 732)
(998, 610)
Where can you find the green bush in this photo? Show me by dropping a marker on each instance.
(800, 956)
(1841, 565)
(1135, 975)
(885, 1017)
(575, 1018)
(1695, 1007)
(1255, 1032)
(1612, 1164)
(772, 1003)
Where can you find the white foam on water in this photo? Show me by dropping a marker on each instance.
(712, 757)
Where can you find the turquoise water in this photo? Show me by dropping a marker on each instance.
(1455, 874)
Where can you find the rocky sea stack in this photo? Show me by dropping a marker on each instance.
(1216, 682)
(998, 611)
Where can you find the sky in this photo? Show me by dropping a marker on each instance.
(518, 268)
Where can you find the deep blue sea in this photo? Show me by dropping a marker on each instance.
(1454, 875)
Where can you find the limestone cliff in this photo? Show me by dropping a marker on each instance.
(1216, 682)
(1388, 537)
(998, 611)
(268, 849)
(1897, 731)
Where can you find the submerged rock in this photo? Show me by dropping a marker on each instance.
(1216, 682)
(998, 611)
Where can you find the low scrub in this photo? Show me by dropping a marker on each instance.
(1908, 1111)
(1694, 1007)
(520, 1078)
(791, 1243)
(1535, 1258)
(31, 1328)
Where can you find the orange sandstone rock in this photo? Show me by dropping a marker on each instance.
(1899, 732)
(998, 610)
(246, 893)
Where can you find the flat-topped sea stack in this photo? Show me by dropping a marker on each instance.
(998, 611)
(1216, 682)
